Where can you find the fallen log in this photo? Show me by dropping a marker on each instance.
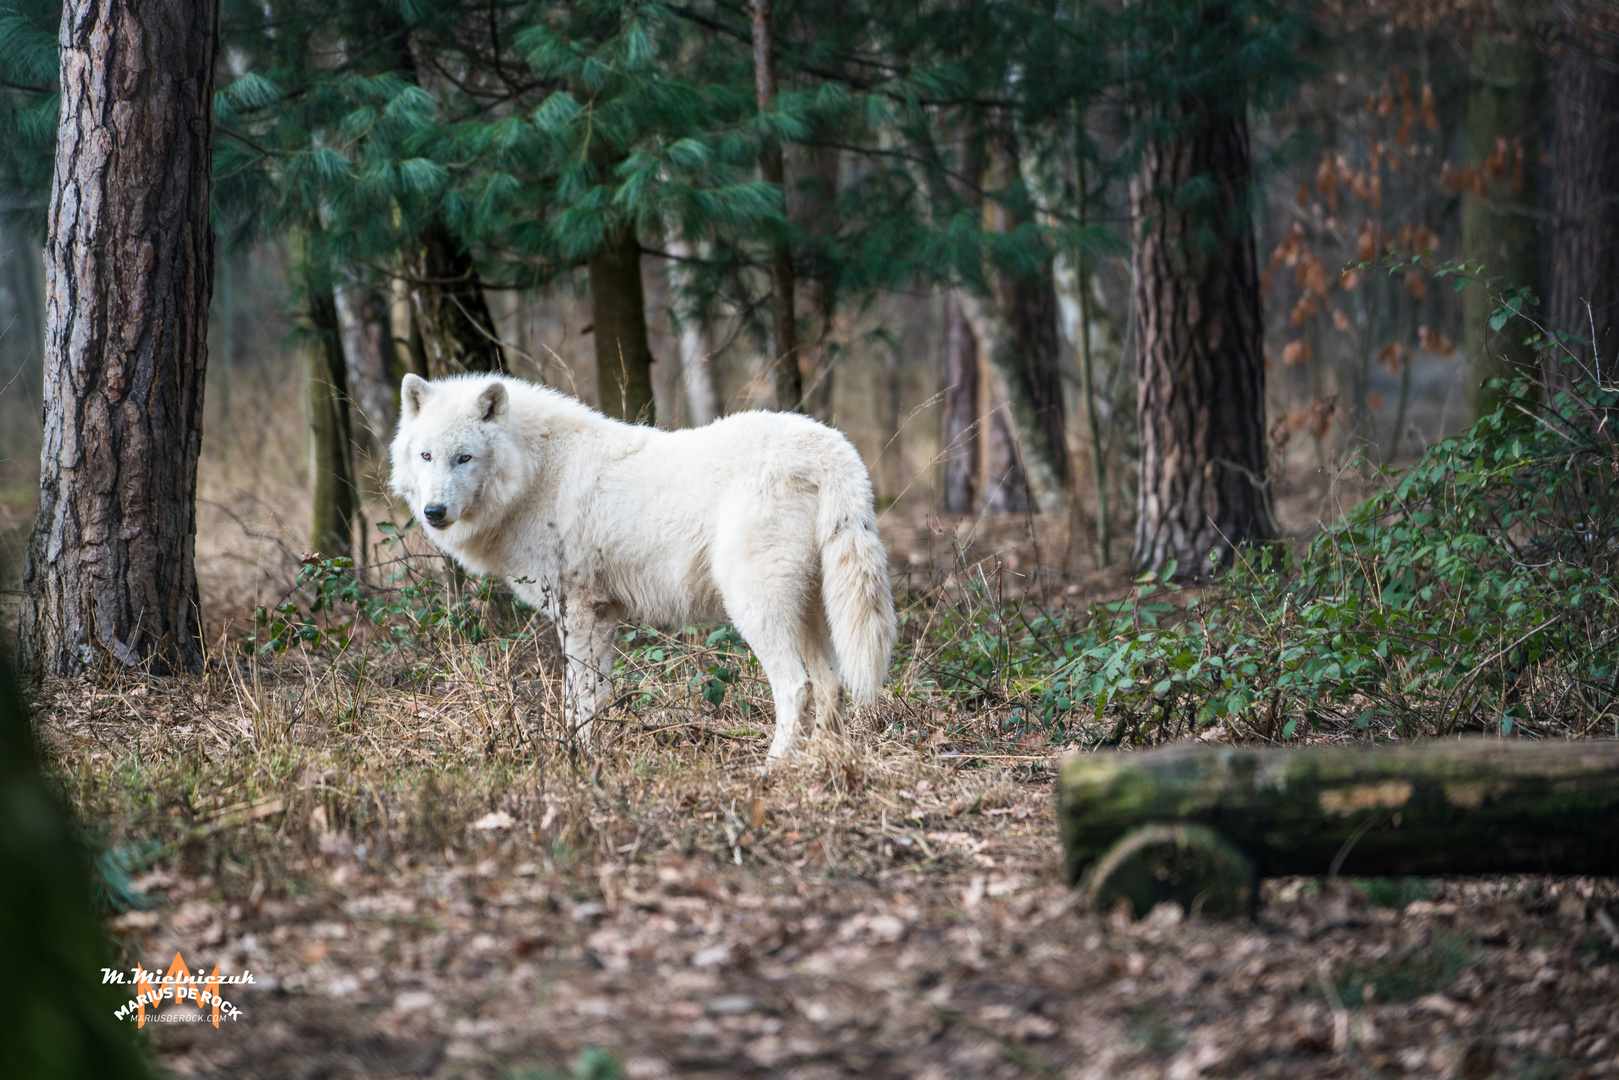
(1474, 806)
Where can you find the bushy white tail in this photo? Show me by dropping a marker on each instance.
(854, 580)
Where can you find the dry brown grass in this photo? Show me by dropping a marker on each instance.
(265, 759)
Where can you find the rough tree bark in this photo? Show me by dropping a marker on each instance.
(446, 297)
(960, 411)
(1200, 392)
(1585, 247)
(1031, 305)
(1017, 334)
(618, 310)
(110, 572)
(1093, 422)
(331, 450)
(783, 321)
(1498, 224)
(1085, 334)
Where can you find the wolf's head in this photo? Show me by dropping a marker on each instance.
(452, 455)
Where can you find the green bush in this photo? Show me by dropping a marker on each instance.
(1477, 590)
(330, 603)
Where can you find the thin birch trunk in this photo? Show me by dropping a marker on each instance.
(363, 324)
(961, 434)
(696, 365)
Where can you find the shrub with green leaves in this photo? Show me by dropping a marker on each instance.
(331, 603)
(1477, 591)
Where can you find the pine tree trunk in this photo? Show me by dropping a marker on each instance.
(783, 320)
(1084, 284)
(960, 411)
(1498, 227)
(458, 333)
(1200, 393)
(1031, 307)
(362, 318)
(817, 210)
(1004, 483)
(409, 353)
(1585, 248)
(618, 309)
(1018, 336)
(110, 573)
(331, 450)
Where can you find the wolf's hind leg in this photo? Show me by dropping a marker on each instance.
(773, 642)
(820, 662)
(586, 630)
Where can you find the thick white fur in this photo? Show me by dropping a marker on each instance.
(763, 518)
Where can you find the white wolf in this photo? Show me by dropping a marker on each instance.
(763, 518)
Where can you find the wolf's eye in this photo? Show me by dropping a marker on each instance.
(463, 459)
(426, 456)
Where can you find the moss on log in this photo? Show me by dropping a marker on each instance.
(1459, 807)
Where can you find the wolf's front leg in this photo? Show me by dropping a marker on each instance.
(586, 629)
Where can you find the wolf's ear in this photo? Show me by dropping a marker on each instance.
(492, 402)
(413, 391)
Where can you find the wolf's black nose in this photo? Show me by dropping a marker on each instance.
(434, 514)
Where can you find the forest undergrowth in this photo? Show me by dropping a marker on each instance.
(396, 702)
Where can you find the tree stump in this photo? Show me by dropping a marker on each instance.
(1472, 806)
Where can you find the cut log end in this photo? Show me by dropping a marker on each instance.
(1192, 865)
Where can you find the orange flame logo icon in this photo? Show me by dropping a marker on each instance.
(177, 984)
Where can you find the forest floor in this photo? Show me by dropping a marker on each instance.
(425, 883)
(420, 897)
